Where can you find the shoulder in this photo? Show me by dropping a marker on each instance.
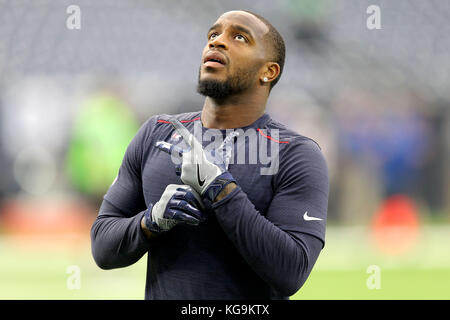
(297, 152)
(160, 123)
(291, 139)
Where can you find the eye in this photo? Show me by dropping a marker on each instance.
(240, 37)
(212, 35)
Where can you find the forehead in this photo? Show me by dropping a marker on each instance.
(245, 19)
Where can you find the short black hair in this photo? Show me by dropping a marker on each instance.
(275, 40)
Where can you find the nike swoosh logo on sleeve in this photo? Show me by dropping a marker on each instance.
(200, 181)
(308, 218)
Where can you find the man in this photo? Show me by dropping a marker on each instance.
(214, 228)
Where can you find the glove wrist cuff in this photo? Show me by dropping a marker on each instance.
(151, 225)
(219, 183)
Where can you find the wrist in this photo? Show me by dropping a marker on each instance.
(147, 233)
(149, 228)
(225, 191)
(217, 186)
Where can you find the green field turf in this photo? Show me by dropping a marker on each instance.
(340, 272)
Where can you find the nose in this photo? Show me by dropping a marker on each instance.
(218, 42)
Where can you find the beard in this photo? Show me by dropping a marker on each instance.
(235, 84)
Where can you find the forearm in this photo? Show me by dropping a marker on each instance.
(274, 254)
(117, 241)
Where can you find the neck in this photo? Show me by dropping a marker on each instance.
(234, 111)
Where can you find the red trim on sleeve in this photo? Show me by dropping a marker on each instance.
(195, 119)
(269, 137)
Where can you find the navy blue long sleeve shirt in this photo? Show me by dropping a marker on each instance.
(259, 242)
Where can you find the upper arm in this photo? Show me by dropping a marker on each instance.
(301, 187)
(126, 192)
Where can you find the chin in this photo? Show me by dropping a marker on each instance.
(214, 88)
(215, 74)
(212, 79)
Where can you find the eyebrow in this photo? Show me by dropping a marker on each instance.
(233, 26)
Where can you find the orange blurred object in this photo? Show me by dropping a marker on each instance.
(395, 226)
(50, 222)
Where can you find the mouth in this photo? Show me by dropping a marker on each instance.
(214, 60)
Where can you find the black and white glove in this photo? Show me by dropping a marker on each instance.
(207, 174)
(178, 204)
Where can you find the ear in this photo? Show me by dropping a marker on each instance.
(270, 72)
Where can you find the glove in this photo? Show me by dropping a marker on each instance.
(206, 176)
(178, 204)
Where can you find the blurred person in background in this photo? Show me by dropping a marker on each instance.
(386, 139)
(214, 230)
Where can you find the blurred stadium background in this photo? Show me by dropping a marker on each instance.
(377, 101)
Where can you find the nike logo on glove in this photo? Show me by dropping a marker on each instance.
(308, 218)
(200, 181)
